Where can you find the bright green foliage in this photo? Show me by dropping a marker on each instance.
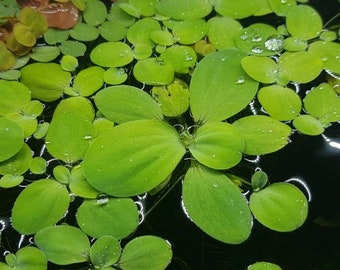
(45, 54)
(328, 52)
(182, 58)
(26, 258)
(62, 174)
(105, 252)
(10, 75)
(72, 47)
(17, 164)
(41, 204)
(237, 9)
(9, 180)
(146, 253)
(281, 8)
(53, 36)
(280, 102)
(105, 30)
(189, 32)
(88, 81)
(216, 94)
(118, 217)
(38, 165)
(262, 134)
(115, 76)
(259, 180)
(281, 207)
(217, 145)
(69, 63)
(79, 186)
(294, 44)
(262, 69)
(95, 12)
(264, 266)
(144, 7)
(140, 32)
(46, 81)
(308, 125)
(119, 166)
(63, 244)
(163, 38)
(126, 103)
(84, 32)
(216, 205)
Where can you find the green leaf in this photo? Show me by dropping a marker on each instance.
(95, 12)
(72, 47)
(63, 244)
(237, 9)
(10, 75)
(84, 32)
(38, 165)
(281, 103)
(173, 99)
(11, 138)
(328, 53)
(89, 80)
(295, 44)
(7, 58)
(9, 180)
(105, 30)
(126, 103)
(216, 205)
(118, 217)
(145, 7)
(262, 134)
(264, 266)
(281, 8)
(190, 31)
(323, 103)
(62, 174)
(302, 67)
(17, 164)
(182, 58)
(163, 38)
(53, 35)
(45, 53)
(184, 10)
(217, 145)
(115, 76)
(41, 204)
(303, 22)
(69, 63)
(45, 80)
(146, 253)
(30, 258)
(281, 207)
(111, 54)
(105, 252)
(120, 166)
(140, 32)
(79, 186)
(216, 95)
(259, 180)
(308, 125)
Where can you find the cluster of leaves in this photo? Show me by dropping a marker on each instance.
(109, 141)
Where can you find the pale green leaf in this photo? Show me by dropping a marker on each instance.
(105, 251)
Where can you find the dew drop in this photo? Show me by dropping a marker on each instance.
(240, 80)
(256, 50)
(274, 43)
(256, 38)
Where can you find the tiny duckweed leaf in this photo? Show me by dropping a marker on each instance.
(45, 80)
(216, 95)
(329, 53)
(119, 33)
(84, 32)
(145, 7)
(184, 10)
(62, 174)
(115, 76)
(173, 99)
(63, 244)
(237, 9)
(182, 58)
(280, 102)
(308, 125)
(17, 164)
(27, 123)
(53, 35)
(217, 145)
(41, 130)
(39, 205)
(79, 186)
(140, 32)
(294, 44)
(218, 37)
(281, 207)
(163, 38)
(146, 252)
(72, 47)
(190, 31)
(302, 67)
(33, 108)
(323, 103)
(259, 180)
(105, 251)
(118, 217)
(262, 69)
(264, 266)
(69, 63)
(89, 80)
(10, 75)
(130, 9)
(154, 71)
(30, 258)
(11, 138)
(119, 166)
(281, 8)
(45, 53)
(9, 181)
(95, 12)
(328, 35)
(216, 205)
(14, 97)
(262, 134)
(111, 54)
(125, 103)
(142, 51)
(117, 15)
(303, 22)
(38, 165)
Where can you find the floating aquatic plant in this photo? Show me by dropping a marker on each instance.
(117, 101)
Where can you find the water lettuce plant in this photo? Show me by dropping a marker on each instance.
(139, 96)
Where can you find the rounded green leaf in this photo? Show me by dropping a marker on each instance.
(328, 52)
(182, 58)
(217, 145)
(9, 180)
(63, 244)
(146, 253)
(121, 166)
(119, 33)
(10, 75)
(89, 80)
(30, 258)
(45, 80)
(17, 164)
(216, 205)
(53, 35)
(95, 12)
(41, 204)
(38, 165)
(308, 125)
(154, 71)
(323, 103)
(111, 54)
(237, 9)
(105, 251)
(303, 22)
(259, 180)
(282, 7)
(62, 174)
(115, 76)
(281, 207)
(295, 44)
(216, 94)
(69, 63)
(281, 103)
(45, 53)
(126, 103)
(117, 15)
(72, 47)
(118, 217)
(184, 10)
(145, 7)
(262, 134)
(190, 31)
(130, 9)
(84, 32)
(11, 138)
(140, 32)
(7, 58)
(163, 38)
(264, 266)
